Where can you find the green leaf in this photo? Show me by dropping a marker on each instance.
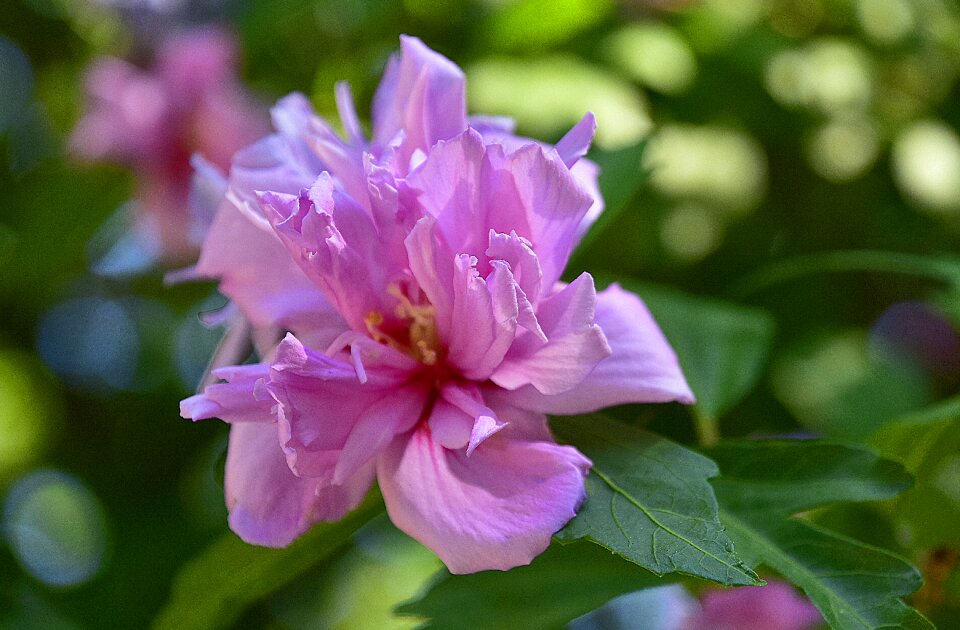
(622, 175)
(787, 476)
(855, 586)
(649, 501)
(564, 582)
(214, 589)
(722, 347)
(927, 442)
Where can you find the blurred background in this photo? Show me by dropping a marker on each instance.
(771, 131)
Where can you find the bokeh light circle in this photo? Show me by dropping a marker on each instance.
(56, 528)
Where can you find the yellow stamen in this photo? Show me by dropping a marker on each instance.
(423, 343)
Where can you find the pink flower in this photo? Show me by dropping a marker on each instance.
(775, 606)
(154, 120)
(418, 274)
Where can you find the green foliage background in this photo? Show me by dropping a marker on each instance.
(778, 175)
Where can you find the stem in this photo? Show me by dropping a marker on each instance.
(708, 429)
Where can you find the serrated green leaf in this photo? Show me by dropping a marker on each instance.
(561, 584)
(722, 347)
(649, 501)
(216, 587)
(855, 586)
(787, 476)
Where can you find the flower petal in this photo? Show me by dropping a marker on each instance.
(235, 400)
(575, 344)
(374, 429)
(268, 504)
(576, 142)
(450, 426)
(313, 146)
(320, 402)
(335, 244)
(496, 509)
(642, 368)
(422, 94)
(450, 185)
(555, 205)
(468, 399)
(257, 273)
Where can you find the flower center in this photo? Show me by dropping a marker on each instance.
(413, 332)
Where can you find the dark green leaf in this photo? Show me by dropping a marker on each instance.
(722, 347)
(214, 589)
(854, 585)
(561, 584)
(649, 501)
(787, 476)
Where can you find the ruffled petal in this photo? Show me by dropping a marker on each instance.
(484, 318)
(235, 400)
(422, 95)
(257, 273)
(268, 504)
(575, 344)
(375, 428)
(314, 147)
(554, 203)
(335, 244)
(450, 187)
(321, 401)
(642, 368)
(496, 509)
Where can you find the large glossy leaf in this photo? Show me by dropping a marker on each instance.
(854, 585)
(561, 584)
(216, 587)
(649, 501)
(722, 346)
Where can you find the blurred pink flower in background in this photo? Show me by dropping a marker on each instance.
(418, 273)
(776, 606)
(153, 120)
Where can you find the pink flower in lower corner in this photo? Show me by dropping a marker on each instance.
(153, 120)
(776, 606)
(418, 275)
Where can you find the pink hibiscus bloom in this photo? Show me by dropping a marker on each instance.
(776, 606)
(154, 120)
(418, 274)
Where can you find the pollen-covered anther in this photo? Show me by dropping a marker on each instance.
(422, 341)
